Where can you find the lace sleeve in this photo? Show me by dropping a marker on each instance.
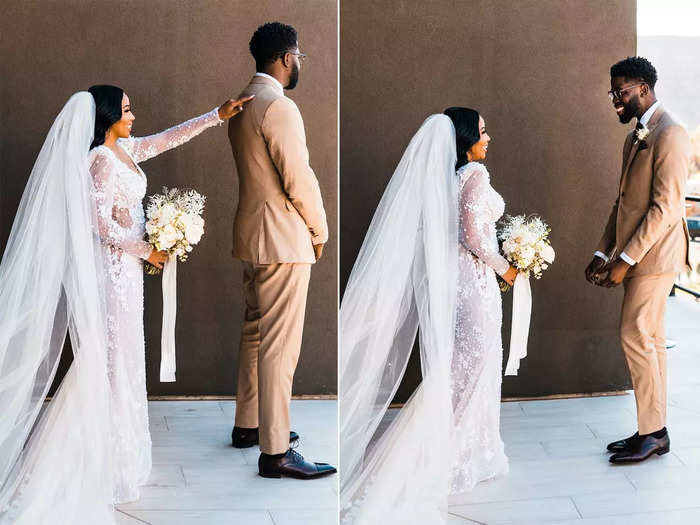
(144, 148)
(113, 221)
(476, 234)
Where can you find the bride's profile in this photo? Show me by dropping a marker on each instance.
(427, 267)
(74, 263)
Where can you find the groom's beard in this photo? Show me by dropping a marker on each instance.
(631, 109)
(293, 78)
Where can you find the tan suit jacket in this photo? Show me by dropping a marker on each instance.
(280, 213)
(647, 221)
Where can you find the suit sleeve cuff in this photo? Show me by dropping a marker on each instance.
(602, 256)
(627, 259)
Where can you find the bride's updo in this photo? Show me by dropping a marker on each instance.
(466, 123)
(108, 110)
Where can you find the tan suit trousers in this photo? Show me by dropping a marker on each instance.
(275, 297)
(644, 344)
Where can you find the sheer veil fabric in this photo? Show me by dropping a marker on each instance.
(55, 463)
(405, 277)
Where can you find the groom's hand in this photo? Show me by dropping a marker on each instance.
(231, 107)
(617, 273)
(318, 250)
(594, 270)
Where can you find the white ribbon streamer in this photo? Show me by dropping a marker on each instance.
(520, 326)
(167, 338)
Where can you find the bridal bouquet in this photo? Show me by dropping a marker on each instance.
(174, 222)
(525, 244)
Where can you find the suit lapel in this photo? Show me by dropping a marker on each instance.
(653, 122)
(630, 157)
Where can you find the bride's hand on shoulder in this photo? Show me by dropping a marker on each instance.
(158, 258)
(231, 107)
(510, 275)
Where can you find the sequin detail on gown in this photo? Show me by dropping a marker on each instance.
(120, 186)
(478, 351)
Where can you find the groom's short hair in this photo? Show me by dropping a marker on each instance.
(635, 68)
(270, 41)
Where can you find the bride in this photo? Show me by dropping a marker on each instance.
(428, 265)
(74, 262)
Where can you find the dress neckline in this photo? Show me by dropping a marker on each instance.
(138, 171)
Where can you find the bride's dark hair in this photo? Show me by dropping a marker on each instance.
(108, 110)
(466, 123)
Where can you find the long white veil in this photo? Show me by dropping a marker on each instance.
(55, 463)
(404, 278)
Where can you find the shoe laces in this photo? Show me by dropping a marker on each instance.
(294, 454)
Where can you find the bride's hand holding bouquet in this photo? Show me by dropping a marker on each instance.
(174, 225)
(525, 244)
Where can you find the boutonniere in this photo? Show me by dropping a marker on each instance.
(639, 136)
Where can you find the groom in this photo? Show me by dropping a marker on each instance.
(278, 233)
(644, 246)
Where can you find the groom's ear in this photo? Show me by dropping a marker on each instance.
(284, 58)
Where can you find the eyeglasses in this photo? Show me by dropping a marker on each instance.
(301, 56)
(617, 93)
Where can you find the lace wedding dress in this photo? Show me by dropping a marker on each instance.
(119, 191)
(478, 352)
(426, 269)
(81, 215)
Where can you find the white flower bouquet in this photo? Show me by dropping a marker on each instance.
(525, 244)
(174, 222)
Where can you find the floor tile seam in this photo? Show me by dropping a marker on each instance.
(272, 518)
(468, 519)
(133, 517)
(520, 500)
(221, 509)
(640, 514)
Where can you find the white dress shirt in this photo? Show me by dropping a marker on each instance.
(259, 74)
(643, 120)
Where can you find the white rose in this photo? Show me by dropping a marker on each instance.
(155, 215)
(151, 228)
(167, 213)
(167, 237)
(186, 219)
(548, 254)
(195, 230)
(510, 246)
(530, 237)
(527, 255)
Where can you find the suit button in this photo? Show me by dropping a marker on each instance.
(622, 194)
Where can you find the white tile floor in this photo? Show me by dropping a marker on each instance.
(560, 473)
(198, 478)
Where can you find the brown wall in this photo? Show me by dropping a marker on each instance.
(538, 72)
(177, 59)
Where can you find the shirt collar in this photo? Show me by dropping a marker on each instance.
(259, 74)
(644, 120)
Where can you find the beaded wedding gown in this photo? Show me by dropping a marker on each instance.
(120, 188)
(478, 352)
(426, 268)
(81, 216)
